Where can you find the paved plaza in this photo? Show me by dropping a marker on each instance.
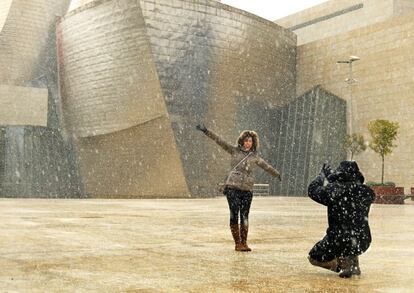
(186, 246)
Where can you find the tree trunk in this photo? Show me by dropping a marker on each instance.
(352, 156)
(382, 173)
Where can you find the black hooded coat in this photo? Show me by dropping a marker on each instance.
(348, 201)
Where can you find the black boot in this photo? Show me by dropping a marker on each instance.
(355, 266)
(331, 265)
(349, 266)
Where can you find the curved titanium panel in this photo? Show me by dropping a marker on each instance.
(220, 65)
(108, 78)
(24, 35)
(113, 103)
(202, 46)
(4, 11)
(141, 161)
(74, 4)
(211, 62)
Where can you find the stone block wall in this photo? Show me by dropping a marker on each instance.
(336, 16)
(4, 11)
(384, 89)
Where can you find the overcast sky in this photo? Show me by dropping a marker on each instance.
(271, 9)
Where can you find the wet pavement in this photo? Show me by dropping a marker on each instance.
(186, 246)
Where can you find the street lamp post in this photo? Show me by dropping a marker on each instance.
(350, 81)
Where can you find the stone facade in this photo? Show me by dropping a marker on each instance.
(384, 89)
(4, 11)
(340, 16)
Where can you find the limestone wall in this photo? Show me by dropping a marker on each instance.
(336, 16)
(402, 7)
(384, 90)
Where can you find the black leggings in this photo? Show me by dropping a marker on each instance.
(239, 203)
(349, 243)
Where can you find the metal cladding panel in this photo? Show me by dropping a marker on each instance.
(24, 33)
(4, 11)
(312, 133)
(124, 63)
(114, 105)
(36, 162)
(222, 66)
(108, 78)
(138, 162)
(23, 105)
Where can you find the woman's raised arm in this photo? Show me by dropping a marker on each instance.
(269, 169)
(226, 146)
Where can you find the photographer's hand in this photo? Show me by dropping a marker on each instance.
(327, 170)
(201, 127)
(321, 176)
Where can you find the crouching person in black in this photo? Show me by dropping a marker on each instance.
(348, 235)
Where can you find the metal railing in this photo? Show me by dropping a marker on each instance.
(261, 189)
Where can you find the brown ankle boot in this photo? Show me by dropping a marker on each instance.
(331, 265)
(244, 230)
(236, 236)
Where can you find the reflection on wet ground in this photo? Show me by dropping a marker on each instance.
(186, 246)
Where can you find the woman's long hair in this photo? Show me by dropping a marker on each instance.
(248, 133)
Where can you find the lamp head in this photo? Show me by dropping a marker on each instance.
(353, 58)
